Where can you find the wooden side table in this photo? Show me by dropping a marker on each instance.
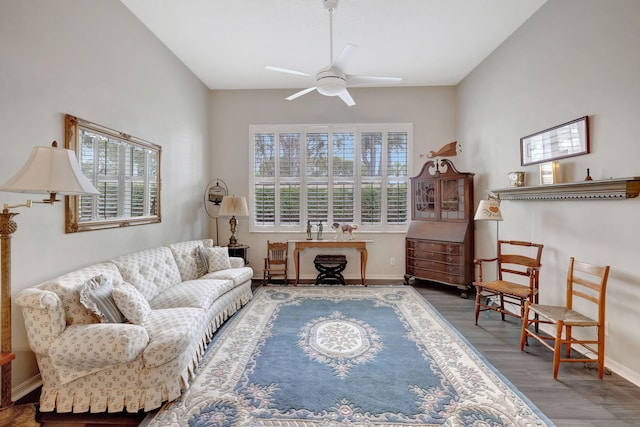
(240, 251)
(5, 363)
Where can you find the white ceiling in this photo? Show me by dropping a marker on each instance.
(227, 43)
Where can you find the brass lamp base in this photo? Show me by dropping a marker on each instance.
(233, 222)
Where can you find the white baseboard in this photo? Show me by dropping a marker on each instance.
(21, 390)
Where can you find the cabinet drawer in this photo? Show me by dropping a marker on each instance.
(453, 279)
(435, 256)
(432, 246)
(428, 264)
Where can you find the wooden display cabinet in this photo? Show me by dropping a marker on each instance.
(439, 243)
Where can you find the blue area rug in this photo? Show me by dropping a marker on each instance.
(345, 356)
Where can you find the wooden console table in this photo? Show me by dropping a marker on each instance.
(359, 245)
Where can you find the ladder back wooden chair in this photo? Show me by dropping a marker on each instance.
(586, 290)
(275, 263)
(517, 278)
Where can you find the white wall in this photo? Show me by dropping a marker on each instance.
(94, 60)
(573, 58)
(430, 109)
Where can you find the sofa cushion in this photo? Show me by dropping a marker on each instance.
(87, 347)
(96, 295)
(132, 303)
(202, 261)
(185, 257)
(218, 258)
(68, 286)
(171, 331)
(237, 275)
(150, 271)
(193, 293)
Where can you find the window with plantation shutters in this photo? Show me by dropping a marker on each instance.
(350, 174)
(126, 171)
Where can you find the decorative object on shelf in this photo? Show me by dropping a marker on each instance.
(439, 242)
(549, 173)
(588, 178)
(449, 150)
(565, 140)
(213, 194)
(516, 179)
(49, 170)
(344, 232)
(319, 233)
(309, 230)
(234, 206)
(604, 189)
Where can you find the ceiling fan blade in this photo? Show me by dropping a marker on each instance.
(288, 71)
(363, 80)
(299, 94)
(346, 97)
(345, 56)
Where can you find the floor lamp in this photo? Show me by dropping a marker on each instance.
(489, 210)
(52, 171)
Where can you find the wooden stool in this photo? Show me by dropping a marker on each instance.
(330, 268)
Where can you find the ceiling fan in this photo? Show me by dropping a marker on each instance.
(332, 80)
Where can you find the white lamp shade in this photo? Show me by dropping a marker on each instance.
(488, 210)
(50, 170)
(234, 206)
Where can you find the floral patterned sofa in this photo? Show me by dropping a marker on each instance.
(127, 334)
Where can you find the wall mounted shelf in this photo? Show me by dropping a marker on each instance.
(615, 188)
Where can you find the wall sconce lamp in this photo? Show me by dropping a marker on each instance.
(234, 206)
(52, 171)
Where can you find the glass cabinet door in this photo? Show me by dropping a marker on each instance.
(452, 199)
(425, 200)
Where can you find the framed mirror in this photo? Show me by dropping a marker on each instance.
(565, 140)
(126, 171)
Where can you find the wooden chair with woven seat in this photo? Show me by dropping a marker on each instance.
(514, 265)
(586, 286)
(275, 263)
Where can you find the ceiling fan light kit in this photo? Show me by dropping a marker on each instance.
(331, 83)
(333, 80)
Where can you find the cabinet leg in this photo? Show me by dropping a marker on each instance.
(465, 292)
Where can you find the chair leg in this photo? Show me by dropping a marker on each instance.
(478, 298)
(557, 349)
(600, 351)
(567, 337)
(525, 325)
(502, 306)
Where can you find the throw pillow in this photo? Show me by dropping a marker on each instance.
(202, 260)
(132, 303)
(218, 258)
(97, 295)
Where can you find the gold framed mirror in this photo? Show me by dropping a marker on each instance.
(126, 171)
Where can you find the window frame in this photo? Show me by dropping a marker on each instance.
(358, 179)
(74, 126)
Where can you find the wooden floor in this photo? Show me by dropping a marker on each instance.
(577, 399)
